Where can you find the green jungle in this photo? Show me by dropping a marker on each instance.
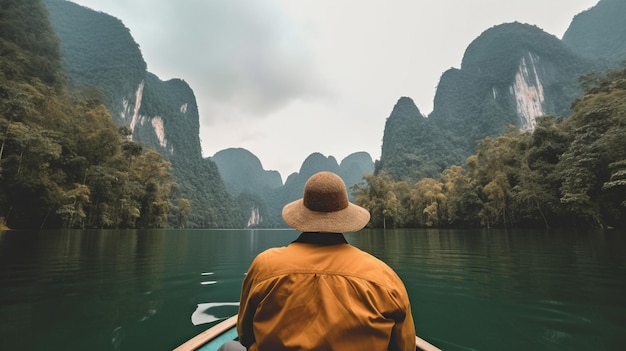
(64, 163)
(566, 173)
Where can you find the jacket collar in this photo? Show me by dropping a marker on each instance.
(321, 238)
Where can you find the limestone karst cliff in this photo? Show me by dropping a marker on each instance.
(101, 58)
(510, 75)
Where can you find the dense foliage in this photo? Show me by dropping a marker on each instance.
(196, 179)
(211, 204)
(101, 52)
(100, 55)
(30, 50)
(63, 162)
(599, 32)
(565, 173)
(414, 146)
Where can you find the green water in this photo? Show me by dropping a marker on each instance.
(470, 290)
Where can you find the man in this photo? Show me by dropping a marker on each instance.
(319, 292)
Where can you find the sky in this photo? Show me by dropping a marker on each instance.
(286, 78)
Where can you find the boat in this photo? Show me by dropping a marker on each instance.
(212, 338)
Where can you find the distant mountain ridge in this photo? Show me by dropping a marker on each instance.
(262, 194)
(243, 171)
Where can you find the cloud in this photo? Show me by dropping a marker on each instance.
(241, 58)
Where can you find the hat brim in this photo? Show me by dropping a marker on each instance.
(350, 219)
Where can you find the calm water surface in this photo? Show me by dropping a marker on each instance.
(152, 290)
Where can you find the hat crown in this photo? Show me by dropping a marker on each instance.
(325, 208)
(325, 192)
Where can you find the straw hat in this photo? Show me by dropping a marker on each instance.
(325, 207)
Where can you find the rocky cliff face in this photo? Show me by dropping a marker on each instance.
(165, 116)
(99, 51)
(100, 56)
(527, 92)
(510, 75)
(524, 71)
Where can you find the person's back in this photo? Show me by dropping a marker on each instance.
(320, 293)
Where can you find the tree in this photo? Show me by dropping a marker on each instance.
(497, 192)
(63, 162)
(597, 126)
(153, 172)
(184, 208)
(428, 202)
(616, 189)
(378, 197)
(72, 209)
(463, 203)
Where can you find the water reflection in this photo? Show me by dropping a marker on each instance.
(529, 285)
(204, 312)
(470, 290)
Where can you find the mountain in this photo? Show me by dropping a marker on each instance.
(64, 163)
(599, 32)
(242, 171)
(354, 166)
(98, 52)
(101, 58)
(510, 75)
(351, 170)
(261, 193)
(413, 146)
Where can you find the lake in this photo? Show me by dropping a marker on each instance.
(154, 289)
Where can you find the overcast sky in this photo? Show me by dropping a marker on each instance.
(286, 78)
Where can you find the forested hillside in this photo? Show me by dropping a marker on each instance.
(599, 32)
(566, 173)
(101, 53)
(414, 146)
(63, 162)
(510, 75)
(514, 116)
(102, 58)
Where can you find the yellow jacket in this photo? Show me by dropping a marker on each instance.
(320, 293)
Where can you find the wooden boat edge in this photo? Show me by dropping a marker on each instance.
(223, 326)
(208, 335)
(423, 345)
